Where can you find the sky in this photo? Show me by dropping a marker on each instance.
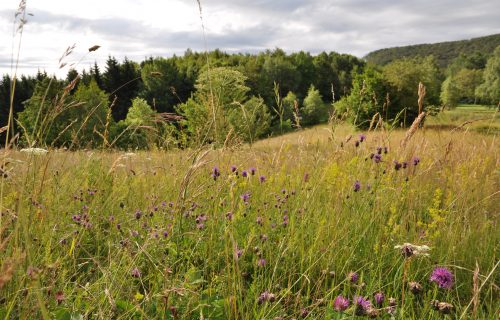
(137, 29)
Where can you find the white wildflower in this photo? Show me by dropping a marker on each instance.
(36, 151)
(408, 250)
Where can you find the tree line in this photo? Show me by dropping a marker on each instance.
(220, 97)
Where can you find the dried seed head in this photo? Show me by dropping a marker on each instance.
(415, 287)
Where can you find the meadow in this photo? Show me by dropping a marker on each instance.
(321, 223)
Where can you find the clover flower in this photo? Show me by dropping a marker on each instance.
(340, 303)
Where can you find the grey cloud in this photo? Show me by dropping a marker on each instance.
(349, 26)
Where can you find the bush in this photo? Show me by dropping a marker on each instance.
(314, 110)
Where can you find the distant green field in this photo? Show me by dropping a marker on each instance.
(480, 118)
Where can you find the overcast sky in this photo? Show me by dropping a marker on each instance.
(141, 28)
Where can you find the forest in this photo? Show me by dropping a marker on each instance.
(444, 52)
(165, 102)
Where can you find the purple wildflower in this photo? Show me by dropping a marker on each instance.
(362, 137)
(233, 169)
(200, 226)
(306, 177)
(416, 160)
(377, 158)
(259, 220)
(252, 171)
(215, 173)
(357, 186)
(353, 276)
(304, 313)
(356, 143)
(379, 150)
(238, 253)
(341, 303)
(285, 220)
(138, 214)
(135, 273)
(245, 197)
(266, 296)
(397, 165)
(442, 277)
(244, 174)
(59, 297)
(262, 179)
(363, 305)
(379, 298)
(261, 262)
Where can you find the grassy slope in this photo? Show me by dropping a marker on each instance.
(449, 201)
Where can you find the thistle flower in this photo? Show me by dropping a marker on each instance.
(362, 137)
(262, 179)
(252, 171)
(233, 169)
(285, 220)
(356, 143)
(397, 165)
(135, 273)
(215, 173)
(379, 150)
(353, 277)
(377, 158)
(200, 226)
(244, 174)
(363, 305)
(379, 299)
(442, 277)
(340, 303)
(304, 313)
(416, 160)
(259, 221)
(306, 177)
(245, 197)
(357, 186)
(261, 262)
(237, 253)
(59, 297)
(265, 297)
(138, 214)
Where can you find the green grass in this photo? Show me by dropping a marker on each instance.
(140, 210)
(479, 118)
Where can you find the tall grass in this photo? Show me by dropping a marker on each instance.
(275, 230)
(152, 234)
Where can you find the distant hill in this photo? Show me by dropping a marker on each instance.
(444, 52)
